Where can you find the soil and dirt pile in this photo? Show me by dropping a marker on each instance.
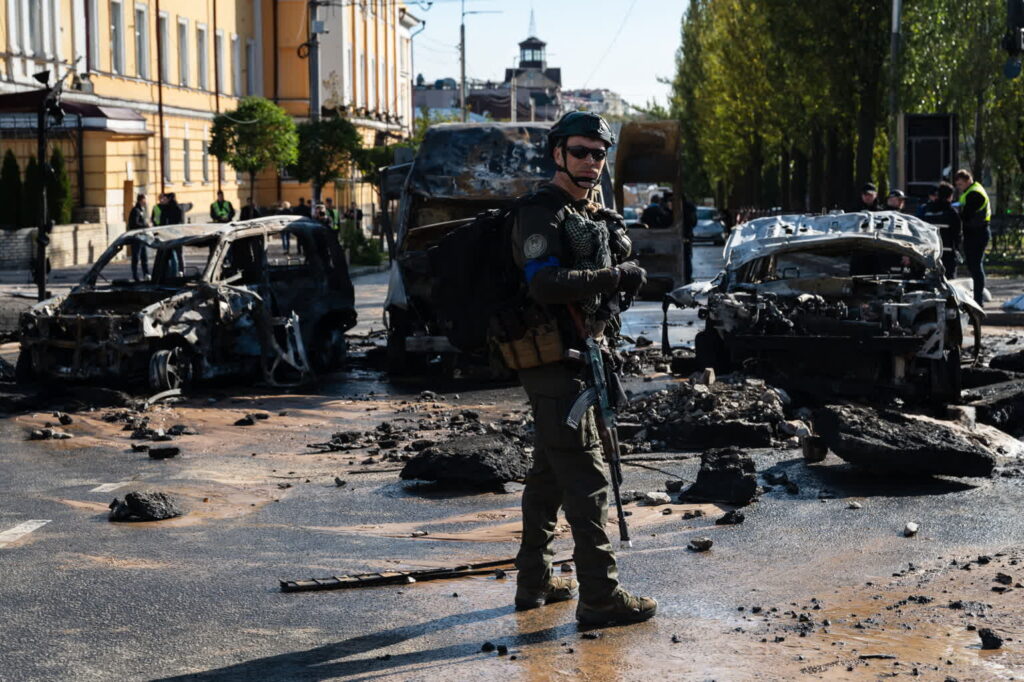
(476, 461)
(726, 475)
(144, 506)
(892, 442)
(734, 410)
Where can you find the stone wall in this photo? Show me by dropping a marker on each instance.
(76, 244)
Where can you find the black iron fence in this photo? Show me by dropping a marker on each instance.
(1007, 236)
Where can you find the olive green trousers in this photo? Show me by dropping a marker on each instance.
(569, 472)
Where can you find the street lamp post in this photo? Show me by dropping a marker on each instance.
(894, 83)
(462, 55)
(49, 105)
(316, 27)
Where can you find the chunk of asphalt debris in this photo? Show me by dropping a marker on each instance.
(340, 483)
(1000, 405)
(989, 639)
(855, 505)
(181, 430)
(144, 506)
(1014, 362)
(700, 544)
(655, 499)
(1003, 579)
(794, 428)
(726, 475)
(731, 518)
(247, 420)
(487, 647)
(48, 434)
(164, 452)
(474, 461)
(140, 447)
(976, 377)
(893, 442)
(674, 486)
(567, 568)
(706, 377)
(693, 514)
(910, 530)
(502, 650)
(591, 635)
(64, 418)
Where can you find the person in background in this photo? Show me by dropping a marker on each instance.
(320, 215)
(933, 194)
(155, 217)
(355, 216)
(137, 220)
(171, 213)
(940, 212)
(666, 208)
(332, 213)
(654, 214)
(975, 213)
(221, 211)
(303, 209)
(868, 199)
(896, 200)
(249, 211)
(285, 208)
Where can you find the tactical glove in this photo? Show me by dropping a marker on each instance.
(631, 277)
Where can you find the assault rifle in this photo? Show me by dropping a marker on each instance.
(598, 394)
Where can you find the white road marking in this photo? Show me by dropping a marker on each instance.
(108, 487)
(20, 531)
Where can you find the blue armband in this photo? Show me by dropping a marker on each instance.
(535, 265)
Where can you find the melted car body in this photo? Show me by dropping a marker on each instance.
(217, 304)
(852, 303)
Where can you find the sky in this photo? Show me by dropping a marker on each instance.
(621, 45)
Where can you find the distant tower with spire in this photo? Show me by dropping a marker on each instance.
(533, 76)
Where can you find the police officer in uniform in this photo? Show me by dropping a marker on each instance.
(975, 212)
(573, 257)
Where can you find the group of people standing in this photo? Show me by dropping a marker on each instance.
(168, 211)
(962, 209)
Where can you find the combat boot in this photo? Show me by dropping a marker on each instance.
(557, 589)
(620, 607)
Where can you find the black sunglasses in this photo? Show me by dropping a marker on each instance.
(581, 152)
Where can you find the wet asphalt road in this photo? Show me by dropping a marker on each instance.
(85, 599)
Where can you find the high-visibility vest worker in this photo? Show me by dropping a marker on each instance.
(221, 211)
(984, 212)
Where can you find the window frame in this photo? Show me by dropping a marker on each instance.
(183, 61)
(117, 55)
(142, 40)
(202, 57)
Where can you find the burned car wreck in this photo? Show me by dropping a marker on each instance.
(841, 304)
(217, 304)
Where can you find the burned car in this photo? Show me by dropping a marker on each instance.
(854, 304)
(217, 304)
(461, 170)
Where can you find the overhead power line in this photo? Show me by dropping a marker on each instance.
(600, 61)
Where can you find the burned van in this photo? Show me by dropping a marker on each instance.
(219, 303)
(854, 304)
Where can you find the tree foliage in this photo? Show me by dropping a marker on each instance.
(256, 135)
(30, 191)
(326, 148)
(58, 189)
(10, 192)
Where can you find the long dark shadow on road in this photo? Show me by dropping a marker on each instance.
(316, 664)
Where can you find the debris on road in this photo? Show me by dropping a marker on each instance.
(726, 475)
(702, 544)
(477, 461)
(48, 434)
(655, 499)
(144, 506)
(989, 639)
(164, 453)
(734, 410)
(732, 517)
(64, 418)
(1000, 405)
(888, 441)
(1013, 362)
(910, 530)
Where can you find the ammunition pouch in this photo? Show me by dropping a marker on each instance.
(527, 338)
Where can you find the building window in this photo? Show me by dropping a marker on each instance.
(164, 37)
(201, 60)
(165, 154)
(250, 67)
(347, 84)
(187, 172)
(116, 37)
(206, 161)
(236, 66)
(35, 28)
(218, 56)
(373, 83)
(141, 41)
(92, 20)
(362, 80)
(183, 52)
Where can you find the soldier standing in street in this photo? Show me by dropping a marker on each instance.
(567, 248)
(221, 211)
(975, 212)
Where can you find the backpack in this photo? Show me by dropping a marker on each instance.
(474, 275)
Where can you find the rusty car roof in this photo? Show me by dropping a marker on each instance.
(170, 236)
(885, 229)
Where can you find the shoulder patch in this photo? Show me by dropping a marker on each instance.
(535, 246)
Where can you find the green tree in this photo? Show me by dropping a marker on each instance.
(58, 189)
(326, 148)
(10, 192)
(30, 191)
(254, 136)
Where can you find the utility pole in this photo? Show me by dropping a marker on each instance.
(462, 55)
(316, 27)
(894, 83)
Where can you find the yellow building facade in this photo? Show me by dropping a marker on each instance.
(147, 78)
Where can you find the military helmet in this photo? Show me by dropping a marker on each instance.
(585, 123)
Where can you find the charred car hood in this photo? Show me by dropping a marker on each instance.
(887, 230)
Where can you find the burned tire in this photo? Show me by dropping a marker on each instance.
(329, 349)
(170, 368)
(24, 371)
